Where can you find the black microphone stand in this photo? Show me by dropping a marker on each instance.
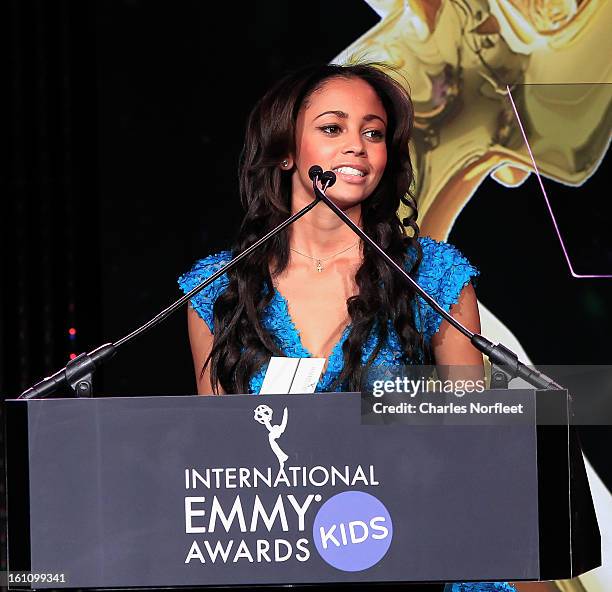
(78, 373)
(509, 366)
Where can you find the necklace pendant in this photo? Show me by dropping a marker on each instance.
(319, 266)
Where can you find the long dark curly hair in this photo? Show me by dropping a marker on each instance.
(241, 343)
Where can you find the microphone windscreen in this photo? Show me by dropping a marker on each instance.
(314, 172)
(328, 178)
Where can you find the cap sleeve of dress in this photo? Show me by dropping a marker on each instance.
(204, 300)
(443, 273)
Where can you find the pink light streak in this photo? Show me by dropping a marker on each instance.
(552, 215)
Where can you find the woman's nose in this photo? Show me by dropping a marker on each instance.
(354, 144)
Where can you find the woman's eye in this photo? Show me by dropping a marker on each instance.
(330, 129)
(375, 134)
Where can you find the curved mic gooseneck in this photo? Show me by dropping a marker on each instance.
(78, 373)
(498, 354)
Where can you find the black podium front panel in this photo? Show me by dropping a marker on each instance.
(171, 491)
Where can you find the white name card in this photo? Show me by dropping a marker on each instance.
(292, 375)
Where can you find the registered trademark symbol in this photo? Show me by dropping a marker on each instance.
(318, 497)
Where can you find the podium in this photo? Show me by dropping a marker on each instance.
(247, 490)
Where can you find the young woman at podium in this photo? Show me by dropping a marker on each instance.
(315, 290)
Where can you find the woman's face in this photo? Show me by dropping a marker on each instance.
(341, 127)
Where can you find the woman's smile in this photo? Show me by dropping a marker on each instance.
(351, 174)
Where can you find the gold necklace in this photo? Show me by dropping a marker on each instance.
(319, 260)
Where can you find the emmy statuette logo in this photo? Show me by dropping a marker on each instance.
(263, 415)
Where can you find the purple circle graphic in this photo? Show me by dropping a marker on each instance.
(352, 531)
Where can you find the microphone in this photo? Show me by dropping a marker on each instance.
(328, 178)
(78, 373)
(314, 172)
(497, 354)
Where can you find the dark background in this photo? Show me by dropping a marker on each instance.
(126, 121)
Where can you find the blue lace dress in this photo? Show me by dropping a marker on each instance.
(443, 273)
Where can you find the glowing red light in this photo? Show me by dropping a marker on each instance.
(72, 331)
(72, 356)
